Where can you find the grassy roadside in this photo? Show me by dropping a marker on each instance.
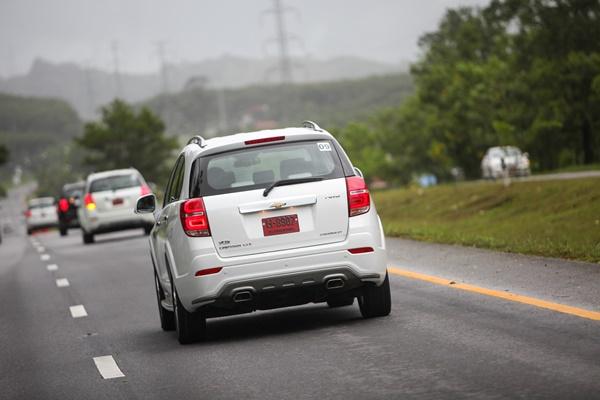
(551, 218)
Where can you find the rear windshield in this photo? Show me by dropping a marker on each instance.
(41, 203)
(258, 167)
(115, 183)
(73, 191)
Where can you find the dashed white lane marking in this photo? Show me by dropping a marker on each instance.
(45, 257)
(62, 282)
(108, 368)
(78, 311)
(41, 249)
(52, 267)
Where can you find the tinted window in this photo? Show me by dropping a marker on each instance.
(175, 182)
(115, 183)
(258, 167)
(73, 190)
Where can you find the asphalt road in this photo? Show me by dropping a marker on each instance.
(439, 342)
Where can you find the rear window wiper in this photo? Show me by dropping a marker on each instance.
(284, 182)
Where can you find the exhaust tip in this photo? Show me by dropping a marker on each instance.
(335, 283)
(244, 295)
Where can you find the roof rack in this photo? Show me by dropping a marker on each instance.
(199, 140)
(312, 125)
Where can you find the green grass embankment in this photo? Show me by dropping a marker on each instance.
(551, 218)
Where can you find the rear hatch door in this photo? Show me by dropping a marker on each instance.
(243, 221)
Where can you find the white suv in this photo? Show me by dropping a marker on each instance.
(264, 220)
(108, 202)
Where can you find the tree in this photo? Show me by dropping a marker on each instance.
(126, 138)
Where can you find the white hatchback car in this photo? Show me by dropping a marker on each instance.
(264, 220)
(108, 202)
(40, 213)
(504, 160)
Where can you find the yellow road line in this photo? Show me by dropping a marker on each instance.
(580, 312)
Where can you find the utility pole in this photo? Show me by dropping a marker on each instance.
(115, 54)
(89, 90)
(160, 50)
(222, 107)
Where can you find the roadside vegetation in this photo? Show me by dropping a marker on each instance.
(524, 73)
(549, 218)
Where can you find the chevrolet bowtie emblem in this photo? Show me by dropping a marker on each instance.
(278, 205)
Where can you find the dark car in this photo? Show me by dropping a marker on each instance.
(67, 206)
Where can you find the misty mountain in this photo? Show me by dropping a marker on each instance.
(89, 88)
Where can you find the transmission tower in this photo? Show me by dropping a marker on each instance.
(282, 37)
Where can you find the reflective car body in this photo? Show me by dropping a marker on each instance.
(40, 213)
(264, 220)
(504, 160)
(108, 203)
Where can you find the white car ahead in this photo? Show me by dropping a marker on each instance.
(108, 203)
(40, 213)
(504, 160)
(264, 220)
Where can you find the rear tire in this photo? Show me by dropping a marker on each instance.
(29, 232)
(376, 301)
(87, 237)
(63, 230)
(167, 318)
(148, 229)
(190, 327)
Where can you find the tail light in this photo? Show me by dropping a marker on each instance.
(193, 218)
(89, 202)
(63, 205)
(27, 213)
(359, 200)
(145, 190)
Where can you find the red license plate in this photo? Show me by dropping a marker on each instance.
(117, 202)
(280, 225)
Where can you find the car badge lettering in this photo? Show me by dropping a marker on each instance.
(278, 205)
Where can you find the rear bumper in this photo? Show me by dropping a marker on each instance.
(99, 223)
(41, 224)
(114, 226)
(281, 282)
(276, 291)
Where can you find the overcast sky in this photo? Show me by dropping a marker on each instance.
(82, 31)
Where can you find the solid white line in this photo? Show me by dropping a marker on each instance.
(108, 368)
(78, 311)
(52, 267)
(62, 282)
(45, 257)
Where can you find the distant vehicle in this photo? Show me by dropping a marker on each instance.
(68, 203)
(108, 203)
(40, 213)
(502, 160)
(264, 220)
